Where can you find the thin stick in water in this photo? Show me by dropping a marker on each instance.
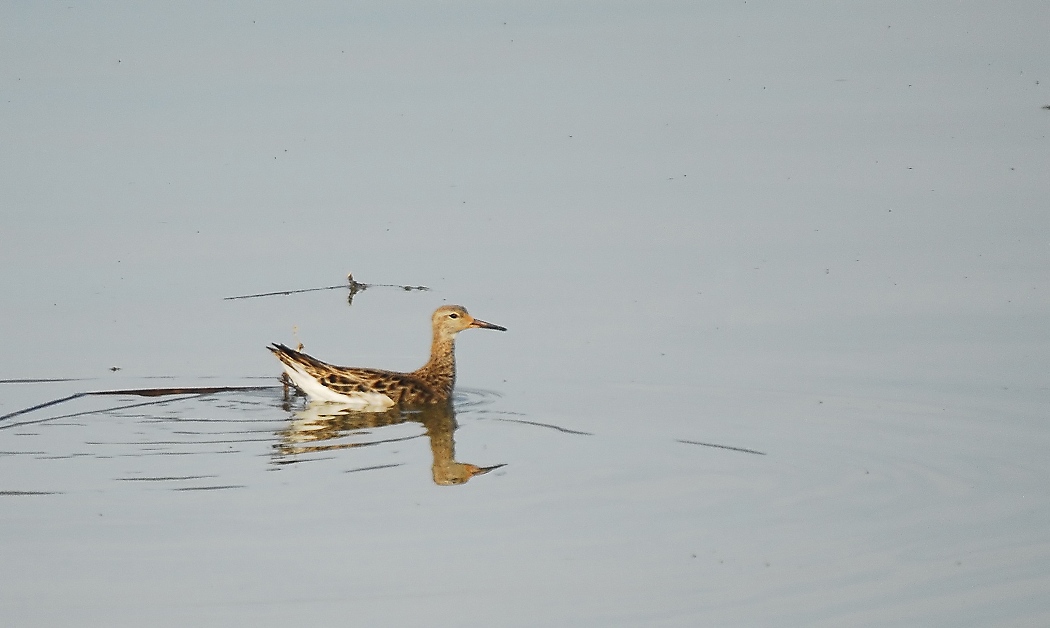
(696, 442)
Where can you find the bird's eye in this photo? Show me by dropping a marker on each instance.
(453, 315)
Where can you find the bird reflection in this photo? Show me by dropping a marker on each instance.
(320, 422)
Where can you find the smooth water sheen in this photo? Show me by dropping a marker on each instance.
(774, 278)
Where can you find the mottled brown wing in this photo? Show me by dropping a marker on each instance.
(400, 387)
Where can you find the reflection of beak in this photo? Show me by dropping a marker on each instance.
(484, 470)
(484, 325)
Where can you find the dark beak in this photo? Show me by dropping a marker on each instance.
(484, 470)
(484, 325)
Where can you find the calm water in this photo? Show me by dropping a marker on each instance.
(774, 281)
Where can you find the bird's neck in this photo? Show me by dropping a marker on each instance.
(440, 369)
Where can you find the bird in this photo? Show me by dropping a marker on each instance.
(374, 389)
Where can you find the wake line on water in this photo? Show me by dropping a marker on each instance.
(140, 392)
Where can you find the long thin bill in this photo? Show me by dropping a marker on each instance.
(483, 325)
(484, 470)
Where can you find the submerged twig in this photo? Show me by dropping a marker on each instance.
(548, 425)
(191, 390)
(353, 285)
(696, 442)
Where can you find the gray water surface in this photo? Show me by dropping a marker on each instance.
(774, 278)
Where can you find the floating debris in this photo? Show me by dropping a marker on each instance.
(352, 285)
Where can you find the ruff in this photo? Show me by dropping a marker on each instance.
(371, 389)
